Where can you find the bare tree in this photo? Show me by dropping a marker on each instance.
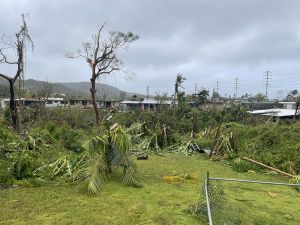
(101, 56)
(42, 91)
(17, 46)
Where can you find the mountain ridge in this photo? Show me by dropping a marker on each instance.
(76, 89)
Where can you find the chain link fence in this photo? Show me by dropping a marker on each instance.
(223, 200)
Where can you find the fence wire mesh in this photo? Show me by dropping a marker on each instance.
(230, 202)
(216, 198)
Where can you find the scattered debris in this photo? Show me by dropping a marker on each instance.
(180, 178)
(272, 194)
(6, 186)
(142, 156)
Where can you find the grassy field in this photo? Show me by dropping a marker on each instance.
(158, 202)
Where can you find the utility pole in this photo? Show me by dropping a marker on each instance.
(236, 87)
(218, 87)
(267, 76)
(147, 92)
(196, 88)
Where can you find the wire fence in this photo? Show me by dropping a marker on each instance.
(219, 197)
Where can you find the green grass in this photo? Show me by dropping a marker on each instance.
(157, 202)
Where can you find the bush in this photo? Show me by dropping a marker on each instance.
(25, 165)
(6, 175)
(243, 166)
(72, 139)
(274, 145)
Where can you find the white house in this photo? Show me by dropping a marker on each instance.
(27, 102)
(56, 102)
(153, 105)
(277, 114)
(288, 105)
(130, 105)
(147, 104)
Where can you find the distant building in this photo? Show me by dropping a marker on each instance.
(213, 105)
(276, 114)
(60, 102)
(261, 105)
(147, 105)
(81, 103)
(154, 105)
(26, 102)
(127, 105)
(288, 105)
(109, 104)
(56, 102)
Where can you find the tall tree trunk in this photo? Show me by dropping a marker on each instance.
(94, 101)
(12, 105)
(175, 94)
(296, 110)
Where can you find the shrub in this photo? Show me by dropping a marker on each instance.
(24, 165)
(243, 166)
(6, 176)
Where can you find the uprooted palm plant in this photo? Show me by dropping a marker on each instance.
(107, 153)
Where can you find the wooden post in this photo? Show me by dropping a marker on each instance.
(268, 167)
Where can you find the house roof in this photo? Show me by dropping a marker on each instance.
(287, 102)
(274, 112)
(150, 101)
(155, 102)
(22, 99)
(130, 102)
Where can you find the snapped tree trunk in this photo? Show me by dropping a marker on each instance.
(216, 140)
(94, 101)
(12, 105)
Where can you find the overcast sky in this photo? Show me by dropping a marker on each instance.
(207, 41)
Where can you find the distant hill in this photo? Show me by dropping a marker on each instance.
(77, 89)
(103, 90)
(57, 87)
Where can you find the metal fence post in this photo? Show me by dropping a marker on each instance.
(207, 198)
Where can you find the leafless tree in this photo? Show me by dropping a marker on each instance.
(43, 91)
(101, 56)
(18, 47)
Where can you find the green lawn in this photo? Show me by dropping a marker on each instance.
(157, 202)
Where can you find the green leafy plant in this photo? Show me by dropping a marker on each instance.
(107, 153)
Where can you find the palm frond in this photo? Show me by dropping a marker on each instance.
(96, 144)
(135, 128)
(121, 139)
(93, 175)
(130, 177)
(121, 144)
(114, 156)
(62, 167)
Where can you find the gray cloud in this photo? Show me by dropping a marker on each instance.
(207, 41)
